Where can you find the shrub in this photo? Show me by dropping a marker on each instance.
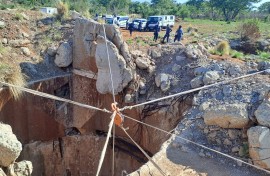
(194, 34)
(62, 9)
(18, 17)
(264, 55)
(250, 30)
(223, 48)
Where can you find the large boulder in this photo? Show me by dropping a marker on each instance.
(121, 74)
(2, 173)
(259, 144)
(64, 55)
(10, 147)
(227, 116)
(263, 113)
(210, 77)
(23, 168)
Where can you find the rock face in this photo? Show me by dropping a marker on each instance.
(120, 73)
(227, 116)
(23, 168)
(263, 113)
(259, 144)
(2, 173)
(64, 55)
(10, 147)
(26, 51)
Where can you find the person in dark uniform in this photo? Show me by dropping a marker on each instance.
(167, 34)
(127, 24)
(179, 34)
(140, 26)
(130, 27)
(156, 31)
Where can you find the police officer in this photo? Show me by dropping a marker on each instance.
(167, 34)
(179, 34)
(130, 27)
(140, 26)
(156, 31)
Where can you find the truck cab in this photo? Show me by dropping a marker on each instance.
(121, 21)
(162, 21)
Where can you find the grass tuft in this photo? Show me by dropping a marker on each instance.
(223, 48)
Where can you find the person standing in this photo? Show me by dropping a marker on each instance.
(140, 26)
(167, 34)
(130, 27)
(179, 34)
(156, 31)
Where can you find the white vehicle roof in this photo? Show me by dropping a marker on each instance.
(140, 19)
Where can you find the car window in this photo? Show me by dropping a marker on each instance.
(171, 17)
(165, 17)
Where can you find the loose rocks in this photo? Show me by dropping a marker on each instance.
(263, 113)
(10, 147)
(227, 116)
(64, 55)
(210, 77)
(258, 139)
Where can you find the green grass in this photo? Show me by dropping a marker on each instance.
(237, 54)
(18, 17)
(129, 41)
(2, 49)
(4, 68)
(265, 56)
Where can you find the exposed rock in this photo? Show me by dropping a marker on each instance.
(25, 51)
(227, 142)
(25, 16)
(180, 58)
(210, 77)
(155, 54)
(4, 41)
(52, 50)
(200, 71)
(23, 168)
(142, 88)
(176, 68)
(24, 34)
(64, 55)
(162, 80)
(2, 173)
(143, 62)
(263, 113)
(204, 106)
(263, 65)
(2, 24)
(227, 116)
(129, 98)
(136, 53)
(10, 147)
(122, 75)
(234, 70)
(259, 143)
(19, 43)
(197, 82)
(75, 15)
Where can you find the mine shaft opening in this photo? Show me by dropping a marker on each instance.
(47, 140)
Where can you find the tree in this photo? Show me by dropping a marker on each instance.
(265, 7)
(184, 12)
(231, 8)
(162, 7)
(117, 6)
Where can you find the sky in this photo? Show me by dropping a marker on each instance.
(183, 1)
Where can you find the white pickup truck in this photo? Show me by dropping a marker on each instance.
(162, 21)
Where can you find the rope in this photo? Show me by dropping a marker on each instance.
(109, 63)
(106, 143)
(147, 156)
(113, 93)
(193, 90)
(199, 145)
(45, 95)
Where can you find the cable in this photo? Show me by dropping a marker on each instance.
(105, 37)
(45, 95)
(106, 143)
(192, 90)
(199, 145)
(147, 156)
(113, 93)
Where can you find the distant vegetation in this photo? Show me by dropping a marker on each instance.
(228, 10)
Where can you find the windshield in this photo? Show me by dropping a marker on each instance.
(123, 19)
(109, 20)
(153, 19)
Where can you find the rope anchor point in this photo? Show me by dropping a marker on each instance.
(119, 118)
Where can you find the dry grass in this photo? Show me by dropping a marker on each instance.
(250, 30)
(13, 76)
(62, 9)
(223, 48)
